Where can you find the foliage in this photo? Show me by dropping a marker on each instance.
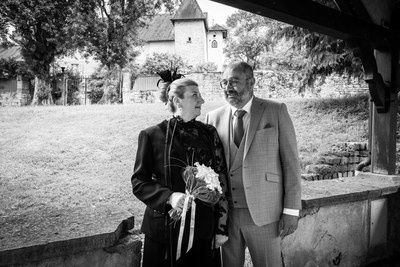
(105, 80)
(110, 31)
(41, 29)
(311, 56)
(10, 68)
(56, 82)
(205, 67)
(248, 38)
(162, 61)
(315, 56)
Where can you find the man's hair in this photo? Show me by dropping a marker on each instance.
(242, 67)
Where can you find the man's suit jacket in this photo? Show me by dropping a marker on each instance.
(271, 170)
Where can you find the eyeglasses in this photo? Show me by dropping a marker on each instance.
(224, 83)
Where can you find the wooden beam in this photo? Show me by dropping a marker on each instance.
(319, 18)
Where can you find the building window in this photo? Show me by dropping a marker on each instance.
(214, 44)
(189, 40)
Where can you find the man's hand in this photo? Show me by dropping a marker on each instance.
(287, 224)
(220, 240)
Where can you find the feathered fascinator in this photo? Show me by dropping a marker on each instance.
(168, 77)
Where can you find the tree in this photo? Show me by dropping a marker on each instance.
(162, 61)
(248, 38)
(47, 28)
(111, 33)
(314, 56)
(40, 29)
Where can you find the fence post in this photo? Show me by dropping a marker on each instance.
(85, 89)
(66, 91)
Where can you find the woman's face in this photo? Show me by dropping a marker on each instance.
(191, 103)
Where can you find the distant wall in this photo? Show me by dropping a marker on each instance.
(269, 84)
(14, 92)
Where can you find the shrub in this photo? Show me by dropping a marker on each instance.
(104, 80)
(205, 67)
(162, 61)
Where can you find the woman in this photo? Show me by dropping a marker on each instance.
(164, 150)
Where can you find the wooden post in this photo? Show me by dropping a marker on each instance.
(384, 125)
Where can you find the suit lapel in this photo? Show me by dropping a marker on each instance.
(223, 130)
(257, 109)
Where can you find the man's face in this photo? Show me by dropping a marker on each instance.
(237, 86)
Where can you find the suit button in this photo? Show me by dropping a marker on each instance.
(233, 189)
(235, 202)
(231, 174)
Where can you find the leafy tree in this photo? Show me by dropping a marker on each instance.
(162, 61)
(111, 33)
(41, 32)
(310, 55)
(248, 38)
(315, 56)
(10, 68)
(47, 28)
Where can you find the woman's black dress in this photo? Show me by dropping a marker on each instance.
(163, 152)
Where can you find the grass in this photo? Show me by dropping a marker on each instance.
(80, 156)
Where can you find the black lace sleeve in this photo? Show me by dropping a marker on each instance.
(219, 165)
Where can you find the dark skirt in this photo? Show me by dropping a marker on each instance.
(201, 254)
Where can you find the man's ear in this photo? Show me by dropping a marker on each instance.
(252, 81)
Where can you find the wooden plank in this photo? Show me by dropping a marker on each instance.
(318, 18)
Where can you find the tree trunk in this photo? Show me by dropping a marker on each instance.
(35, 99)
(35, 91)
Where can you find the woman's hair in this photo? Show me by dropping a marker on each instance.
(175, 89)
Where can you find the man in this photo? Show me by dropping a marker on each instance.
(261, 153)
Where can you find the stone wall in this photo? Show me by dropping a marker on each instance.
(354, 222)
(269, 84)
(120, 247)
(341, 161)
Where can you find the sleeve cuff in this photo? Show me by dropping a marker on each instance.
(292, 212)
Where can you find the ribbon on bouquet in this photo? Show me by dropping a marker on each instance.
(188, 204)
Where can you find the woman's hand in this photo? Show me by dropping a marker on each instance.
(176, 200)
(220, 240)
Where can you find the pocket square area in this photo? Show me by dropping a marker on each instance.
(268, 125)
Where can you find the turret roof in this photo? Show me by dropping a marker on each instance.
(217, 27)
(189, 10)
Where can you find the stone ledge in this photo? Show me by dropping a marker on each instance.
(62, 233)
(361, 187)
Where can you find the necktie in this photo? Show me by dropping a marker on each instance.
(238, 130)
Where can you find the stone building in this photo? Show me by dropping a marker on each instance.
(186, 34)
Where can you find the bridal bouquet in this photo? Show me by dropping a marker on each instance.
(201, 183)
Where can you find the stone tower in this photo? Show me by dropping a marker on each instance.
(190, 25)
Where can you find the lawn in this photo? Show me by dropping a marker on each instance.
(83, 156)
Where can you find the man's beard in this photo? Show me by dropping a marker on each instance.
(233, 97)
